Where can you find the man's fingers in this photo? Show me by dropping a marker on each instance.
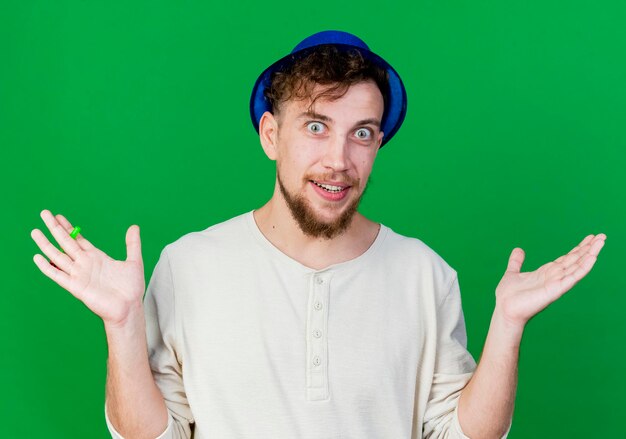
(583, 264)
(585, 241)
(59, 259)
(516, 260)
(80, 239)
(578, 271)
(581, 249)
(58, 276)
(592, 247)
(133, 244)
(61, 235)
(597, 245)
(582, 243)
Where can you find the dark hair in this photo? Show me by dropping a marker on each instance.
(330, 65)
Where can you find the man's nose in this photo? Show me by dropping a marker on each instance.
(336, 153)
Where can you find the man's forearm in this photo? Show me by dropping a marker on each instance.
(135, 405)
(486, 403)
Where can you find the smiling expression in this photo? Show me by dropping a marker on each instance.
(324, 155)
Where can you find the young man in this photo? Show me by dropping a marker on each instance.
(304, 319)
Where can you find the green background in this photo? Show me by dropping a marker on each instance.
(137, 113)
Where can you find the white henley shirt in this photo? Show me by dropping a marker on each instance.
(246, 342)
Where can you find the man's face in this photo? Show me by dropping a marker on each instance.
(324, 157)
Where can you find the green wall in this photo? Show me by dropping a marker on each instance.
(137, 113)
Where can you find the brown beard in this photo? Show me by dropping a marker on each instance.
(308, 223)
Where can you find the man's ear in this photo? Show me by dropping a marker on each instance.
(268, 133)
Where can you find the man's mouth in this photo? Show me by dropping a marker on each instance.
(330, 188)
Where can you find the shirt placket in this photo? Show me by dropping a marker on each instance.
(317, 337)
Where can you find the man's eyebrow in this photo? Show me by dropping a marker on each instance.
(372, 121)
(314, 115)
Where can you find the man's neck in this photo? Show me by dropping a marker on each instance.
(280, 228)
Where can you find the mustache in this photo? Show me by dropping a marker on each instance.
(337, 178)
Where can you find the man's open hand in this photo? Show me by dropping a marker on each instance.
(107, 287)
(520, 296)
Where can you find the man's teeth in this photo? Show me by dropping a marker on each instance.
(329, 187)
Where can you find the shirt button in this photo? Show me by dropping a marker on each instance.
(317, 360)
(317, 333)
(319, 281)
(318, 305)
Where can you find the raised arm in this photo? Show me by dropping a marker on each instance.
(113, 290)
(486, 403)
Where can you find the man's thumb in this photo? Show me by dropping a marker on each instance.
(516, 260)
(133, 244)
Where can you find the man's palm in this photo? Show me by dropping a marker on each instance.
(523, 295)
(106, 286)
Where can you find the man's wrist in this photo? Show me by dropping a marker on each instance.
(505, 331)
(133, 322)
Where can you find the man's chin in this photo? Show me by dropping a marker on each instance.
(323, 226)
(330, 224)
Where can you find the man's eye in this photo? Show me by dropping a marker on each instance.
(315, 127)
(364, 133)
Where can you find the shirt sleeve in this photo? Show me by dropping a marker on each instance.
(164, 352)
(454, 366)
